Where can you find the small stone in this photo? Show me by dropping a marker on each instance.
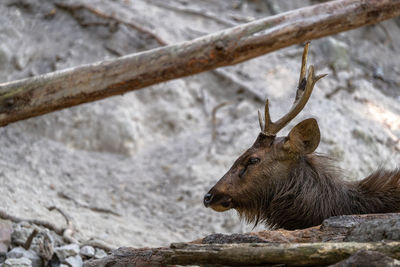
(5, 235)
(67, 251)
(3, 257)
(21, 232)
(100, 253)
(87, 251)
(378, 73)
(367, 258)
(20, 252)
(5, 55)
(20, 262)
(75, 261)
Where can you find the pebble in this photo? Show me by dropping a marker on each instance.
(21, 232)
(20, 262)
(67, 251)
(87, 251)
(75, 261)
(5, 235)
(20, 252)
(3, 257)
(100, 253)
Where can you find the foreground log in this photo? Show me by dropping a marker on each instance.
(333, 241)
(46, 93)
(298, 254)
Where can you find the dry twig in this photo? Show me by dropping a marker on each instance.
(28, 242)
(75, 7)
(214, 119)
(192, 11)
(86, 206)
(5, 216)
(70, 229)
(233, 79)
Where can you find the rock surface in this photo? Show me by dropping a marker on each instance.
(67, 251)
(146, 155)
(5, 235)
(74, 261)
(321, 245)
(17, 262)
(87, 251)
(20, 252)
(368, 258)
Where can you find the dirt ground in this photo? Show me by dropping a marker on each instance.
(147, 156)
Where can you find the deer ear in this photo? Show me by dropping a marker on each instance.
(304, 137)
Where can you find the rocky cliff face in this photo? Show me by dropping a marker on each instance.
(121, 166)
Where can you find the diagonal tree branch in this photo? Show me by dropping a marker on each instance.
(53, 91)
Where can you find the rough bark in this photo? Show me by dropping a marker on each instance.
(321, 245)
(355, 228)
(53, 91)
(297, 254)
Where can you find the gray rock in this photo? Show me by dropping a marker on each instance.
(20, 262)
(335, 52)
(375, 230)
(5, 55)
(43, 244)
(21, 232)
(100, 253)
(20, 252)
(5, 235)
(87, 251)
(75, 261)
(3, 257)
(67, 251)
(367, 258)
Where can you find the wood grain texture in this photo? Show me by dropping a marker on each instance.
(53, 91)
(297, 254)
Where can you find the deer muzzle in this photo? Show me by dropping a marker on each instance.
(217, 201)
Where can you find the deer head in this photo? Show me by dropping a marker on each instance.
(256, 175)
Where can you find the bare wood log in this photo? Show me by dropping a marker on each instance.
(53, 91)
(299, 254)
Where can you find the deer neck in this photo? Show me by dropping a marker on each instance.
(311, 192)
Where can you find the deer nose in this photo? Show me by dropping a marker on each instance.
(207, 199)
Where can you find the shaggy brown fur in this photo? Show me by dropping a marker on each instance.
(278, 181)
(313, 192)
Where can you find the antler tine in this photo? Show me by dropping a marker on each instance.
(260, 121)
(268, 121)
(303, 93)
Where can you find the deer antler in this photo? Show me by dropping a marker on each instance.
(303, 93)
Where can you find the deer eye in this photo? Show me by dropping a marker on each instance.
(253, 161)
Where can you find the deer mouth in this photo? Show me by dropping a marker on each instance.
(222, 205)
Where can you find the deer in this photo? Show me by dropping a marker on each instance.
(283, 183)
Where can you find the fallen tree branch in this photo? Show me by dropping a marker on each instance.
(299, 254)
(53, 91)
